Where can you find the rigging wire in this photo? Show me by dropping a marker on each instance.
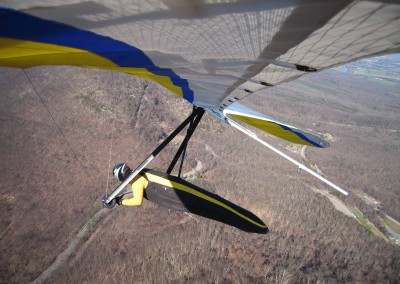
(109, 156)
(113, 103)
(75, 155)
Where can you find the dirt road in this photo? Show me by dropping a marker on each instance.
(72, 247)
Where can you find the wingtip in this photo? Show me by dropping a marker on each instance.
(273, 127)
(323, 143)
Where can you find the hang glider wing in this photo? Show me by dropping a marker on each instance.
(211, 53)
(271, 126)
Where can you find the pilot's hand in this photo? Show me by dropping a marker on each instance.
(118, 199)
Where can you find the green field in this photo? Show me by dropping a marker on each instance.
(393, 225)
(360, 218)
(382, 70)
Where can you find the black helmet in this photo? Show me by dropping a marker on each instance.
(121, 171)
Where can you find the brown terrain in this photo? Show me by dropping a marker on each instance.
(56, 170)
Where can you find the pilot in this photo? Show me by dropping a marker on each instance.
(134, 197)
(177, 194)
(158, 187)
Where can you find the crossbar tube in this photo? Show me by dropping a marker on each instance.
(301, 166)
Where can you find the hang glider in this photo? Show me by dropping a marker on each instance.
(210, 53)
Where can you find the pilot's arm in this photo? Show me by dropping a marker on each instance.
(138, 188)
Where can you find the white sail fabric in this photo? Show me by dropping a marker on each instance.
(229, 49)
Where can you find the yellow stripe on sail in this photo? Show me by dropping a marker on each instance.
(272, 128)
(24, 54)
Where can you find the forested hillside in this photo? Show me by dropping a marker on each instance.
(62, 135)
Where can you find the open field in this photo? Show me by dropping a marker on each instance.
(52, 183)
(392, 224)
(380, 70)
